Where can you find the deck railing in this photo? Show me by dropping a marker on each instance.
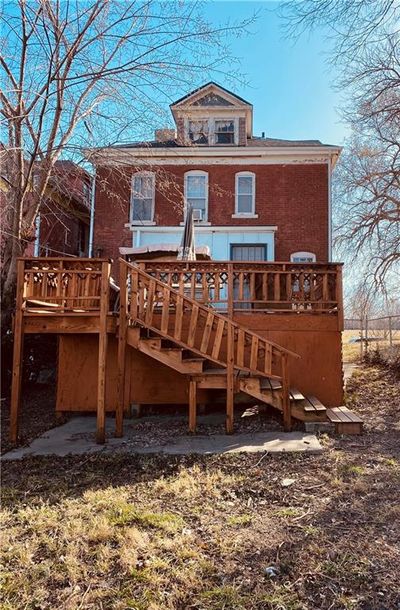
(269, 287)
(64, 285)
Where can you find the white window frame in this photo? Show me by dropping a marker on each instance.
(235, 122)
(211, 120)
(196, 172)
(143, 222)
(295, 255)
(198, 120)
(251, 214)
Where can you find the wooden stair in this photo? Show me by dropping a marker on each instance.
(214, 352)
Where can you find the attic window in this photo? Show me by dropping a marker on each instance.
(198, 132)
(224, 132)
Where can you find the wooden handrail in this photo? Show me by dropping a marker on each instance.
(262, 286)
(64, 284)
(151, 303)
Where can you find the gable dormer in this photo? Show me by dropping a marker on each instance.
(212, 116)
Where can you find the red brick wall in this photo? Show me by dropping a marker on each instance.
(111, 212)
(293, 197)
(60, 233)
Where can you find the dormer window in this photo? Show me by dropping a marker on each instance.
(212, 131)
(198, 132)
(225, 132)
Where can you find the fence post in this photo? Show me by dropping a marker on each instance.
(366, 334)
(361, 338)
(390, 332)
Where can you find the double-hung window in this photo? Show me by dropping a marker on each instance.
(142, 197)
(245, 194)
(198, 131)
(196, 194)
(225, 132)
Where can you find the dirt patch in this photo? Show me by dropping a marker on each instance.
(37, 414)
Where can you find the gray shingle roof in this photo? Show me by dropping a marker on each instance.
(252, 142)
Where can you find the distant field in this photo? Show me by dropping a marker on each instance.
(351, 351)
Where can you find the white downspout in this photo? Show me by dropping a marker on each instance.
(329, 211)
(92, 202)
(36, 248)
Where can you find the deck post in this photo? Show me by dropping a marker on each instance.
(230, 386)
(119, 413)
(17, 354)
(192, 405)
(287, 415)
(339, 297)
(230, 291)
(101, 370)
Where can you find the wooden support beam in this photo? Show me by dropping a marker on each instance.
(339, 297)
(119, 412)
(287, 415)
(101, 369)
(230, 386)
(192, 405)
(230, 290)
(17, 354)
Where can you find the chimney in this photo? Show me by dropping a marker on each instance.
(164, 135)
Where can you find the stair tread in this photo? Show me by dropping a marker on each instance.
(316, 403)
(343, 415)
(296, 394)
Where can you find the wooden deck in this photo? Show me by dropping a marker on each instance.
(182, 316)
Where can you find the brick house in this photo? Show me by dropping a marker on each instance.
(254, 197)
(63, 223)
(260, 322)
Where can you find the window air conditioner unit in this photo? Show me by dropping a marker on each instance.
(197, 214)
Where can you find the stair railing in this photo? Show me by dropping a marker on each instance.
(173, 315)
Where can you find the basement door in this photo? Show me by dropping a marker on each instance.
(246, 253)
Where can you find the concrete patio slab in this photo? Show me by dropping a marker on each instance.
(77, 437)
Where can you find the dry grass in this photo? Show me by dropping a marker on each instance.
(352, 351)
(176, 533)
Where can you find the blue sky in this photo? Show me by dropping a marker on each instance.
(290, 83)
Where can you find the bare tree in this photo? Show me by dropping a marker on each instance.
(90, 73)
(367, 182)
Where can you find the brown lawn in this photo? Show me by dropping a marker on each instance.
(169, 533)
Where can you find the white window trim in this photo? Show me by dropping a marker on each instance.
(251, 214)
(196, 172)
(303, 255)
(211, 129)
(143, 222)
(236, 130)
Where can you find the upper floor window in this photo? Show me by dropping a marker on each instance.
(224, 132)
(196, 193)
(245, 194)
(212, 131)
(303, 257)
(198, 131)
(142, 197)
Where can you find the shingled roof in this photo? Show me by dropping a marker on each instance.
(257, 142)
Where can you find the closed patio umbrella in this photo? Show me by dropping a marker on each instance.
(187, 251)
